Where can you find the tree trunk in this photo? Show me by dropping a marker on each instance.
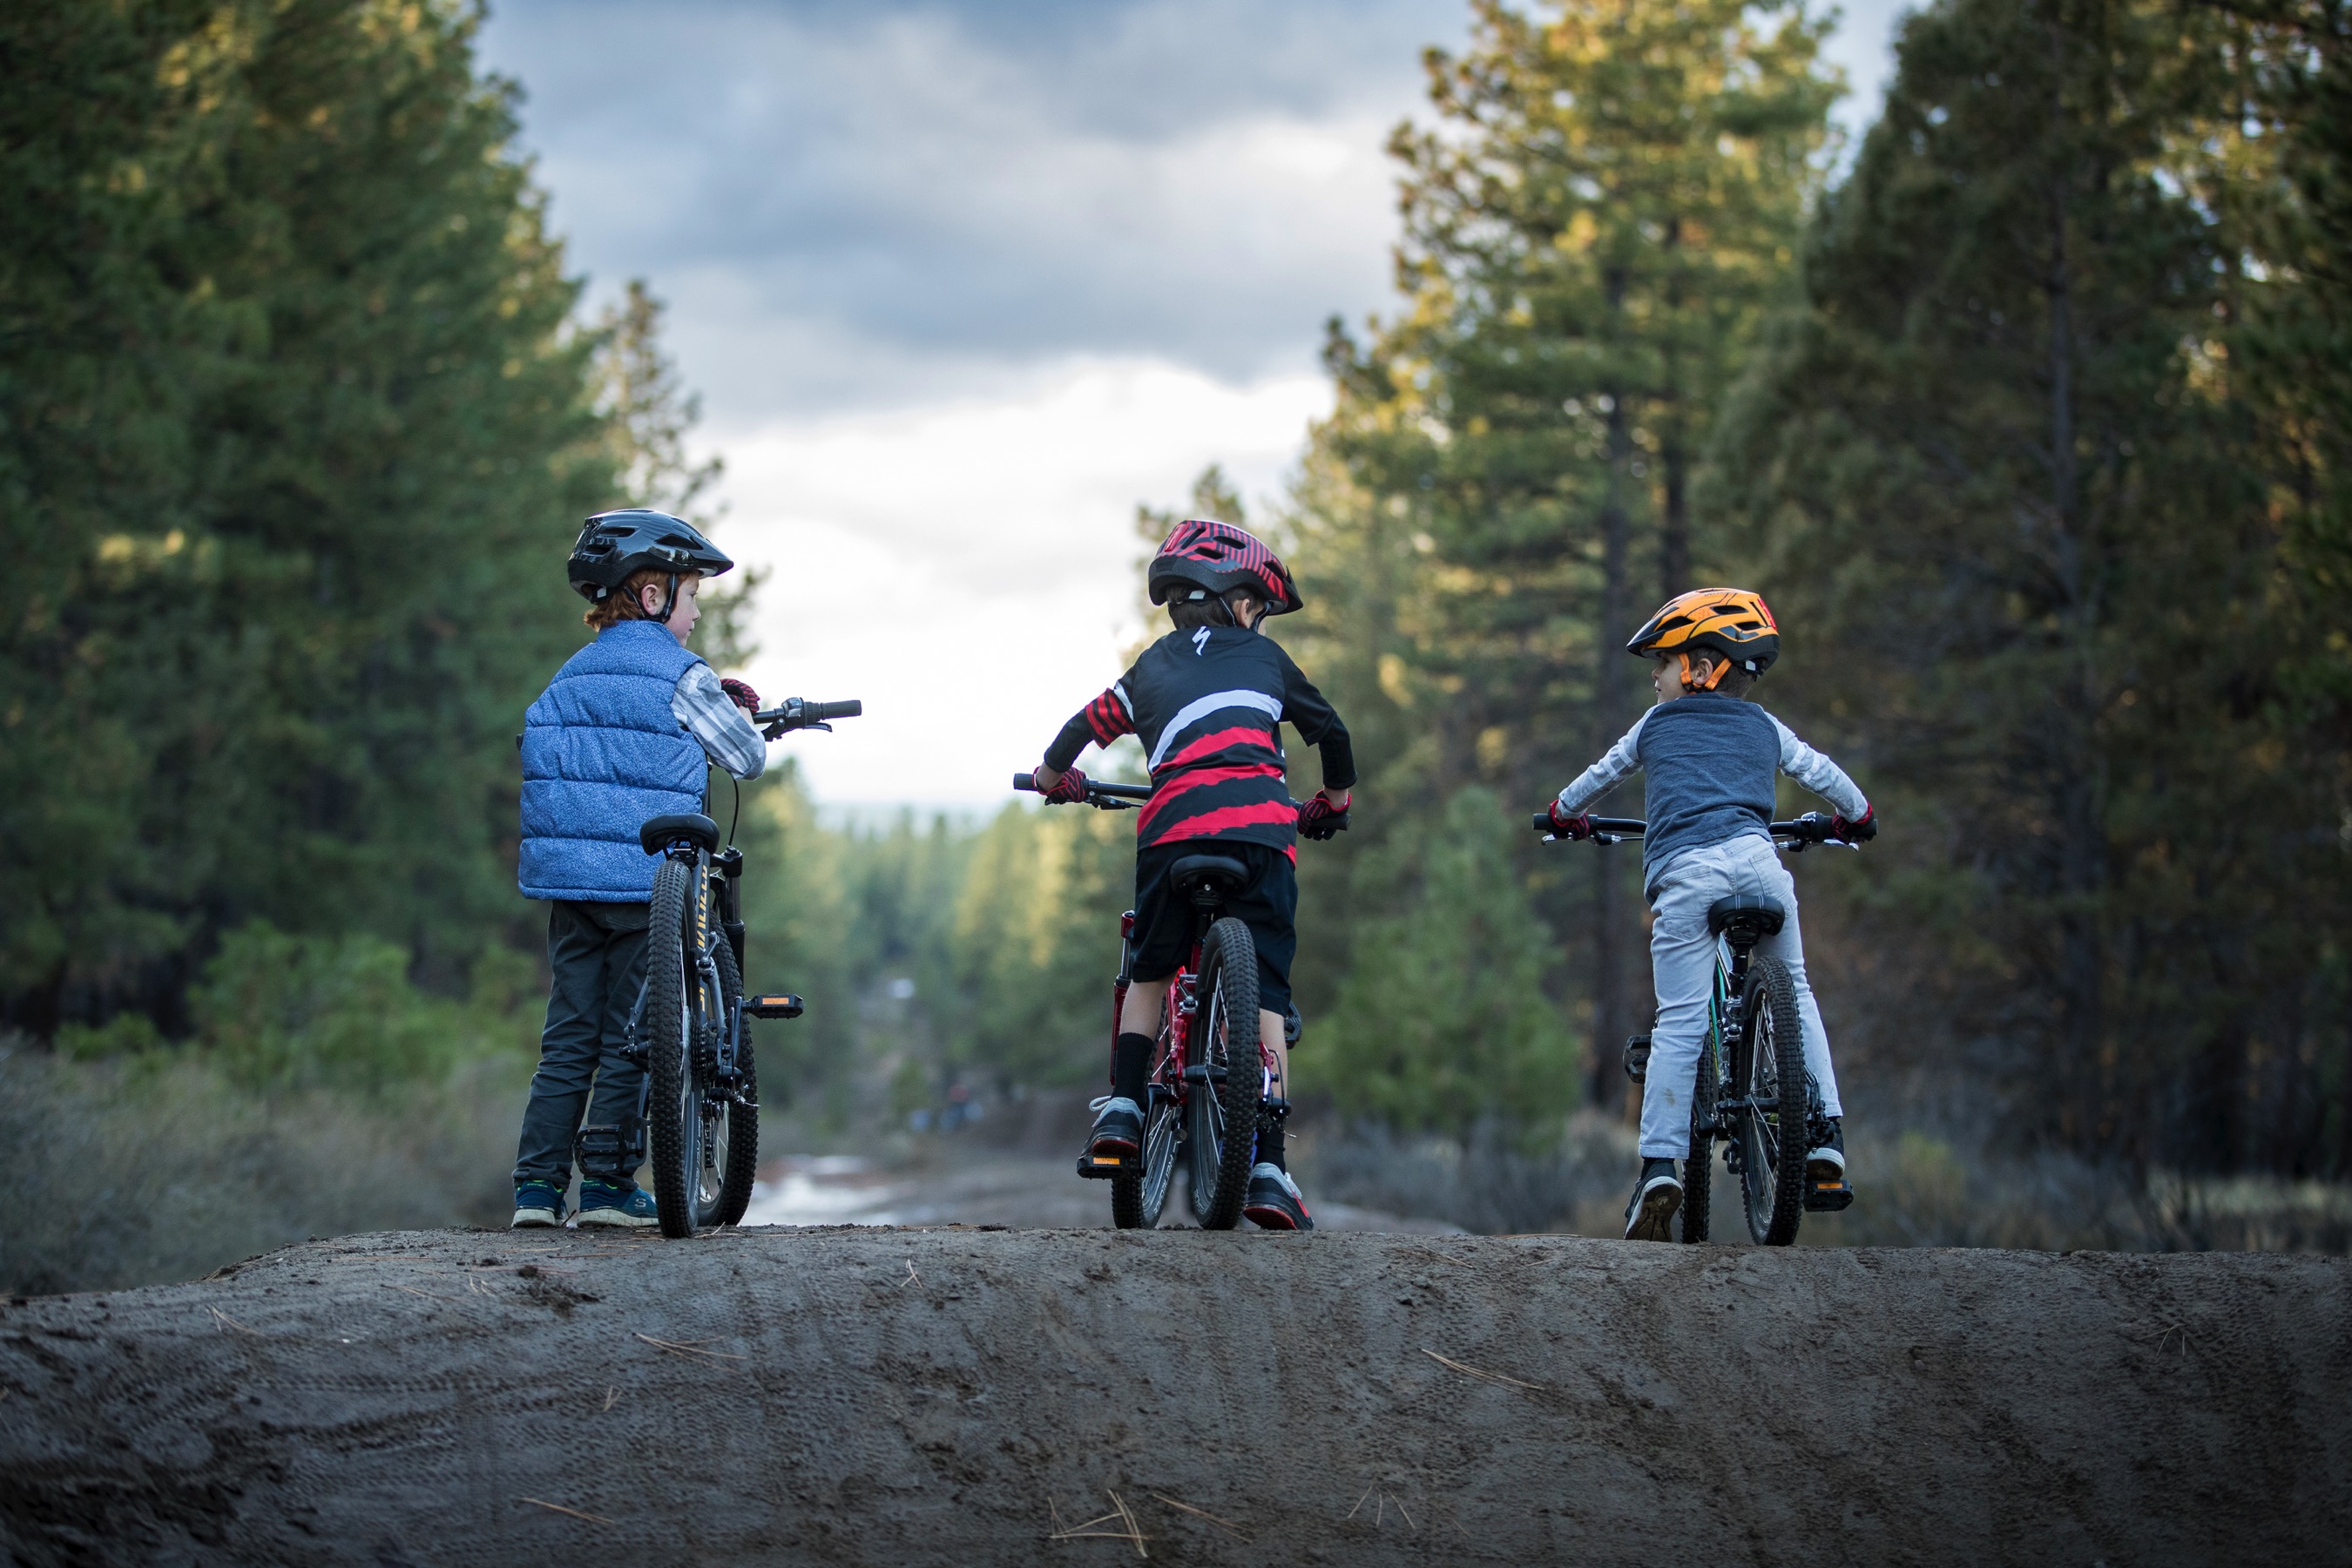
(1612, 1008)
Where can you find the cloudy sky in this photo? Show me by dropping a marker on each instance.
(961, 283)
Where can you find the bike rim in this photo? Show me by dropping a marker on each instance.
(1209, 1150)
(1159, 1140)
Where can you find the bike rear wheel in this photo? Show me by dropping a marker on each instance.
(1223, 1110)
(1769, 1073)
(734, 1152)
(673, 1108)
(1698, 1170)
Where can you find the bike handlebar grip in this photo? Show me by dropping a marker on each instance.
(1543, 822)
(1025, 781)
(849, 710)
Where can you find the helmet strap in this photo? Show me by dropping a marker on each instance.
(1713, 679)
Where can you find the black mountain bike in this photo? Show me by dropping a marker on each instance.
(701, 1106)
(1753, 1090)
(1209, 1070)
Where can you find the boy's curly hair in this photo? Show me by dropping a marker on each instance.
(625, 603)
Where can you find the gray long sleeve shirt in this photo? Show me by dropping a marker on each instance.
(1710, 762)
(723, 729)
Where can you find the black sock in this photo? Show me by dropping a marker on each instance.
(1131, 1066)
(1271, 1115)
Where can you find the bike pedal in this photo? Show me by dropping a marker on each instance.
(1828, 1197)
(783, 1005)
(1102, 1167)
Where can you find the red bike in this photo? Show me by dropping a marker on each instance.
(1209, 1069)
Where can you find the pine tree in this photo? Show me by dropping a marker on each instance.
(1594, 229)
(2012, 492)
(293, 442)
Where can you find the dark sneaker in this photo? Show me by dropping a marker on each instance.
(603, 1203)
(1827, 1161)
(1657, 1195)
(1118, 1129)
(1274, 1202)
(538, 1205)
(1825, 1183)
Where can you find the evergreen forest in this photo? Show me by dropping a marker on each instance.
(2028, 408)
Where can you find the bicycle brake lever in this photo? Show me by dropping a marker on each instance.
(826, 728)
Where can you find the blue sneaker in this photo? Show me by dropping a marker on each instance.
(538, 1205)
(604, 1203)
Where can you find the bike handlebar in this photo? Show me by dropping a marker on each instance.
(1796, 835)
(1101, 796)
(794, 713)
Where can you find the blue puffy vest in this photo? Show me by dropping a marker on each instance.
(600, 753)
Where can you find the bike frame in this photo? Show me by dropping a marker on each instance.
(1170, 1077)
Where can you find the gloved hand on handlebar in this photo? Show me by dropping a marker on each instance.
(1321, 817)
(1068, 790)
(739, 692)
(1861, 831)
(1577, 826)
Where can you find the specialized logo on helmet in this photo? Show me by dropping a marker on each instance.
(1731, 622)
(1219, 557)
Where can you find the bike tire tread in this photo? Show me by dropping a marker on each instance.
(668, 1054)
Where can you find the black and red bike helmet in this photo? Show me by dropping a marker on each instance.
(1218, 558)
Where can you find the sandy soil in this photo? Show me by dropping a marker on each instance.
(970, 1397)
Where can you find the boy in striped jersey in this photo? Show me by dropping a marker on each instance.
(1206, 700)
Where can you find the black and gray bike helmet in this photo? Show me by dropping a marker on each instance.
(615, 543)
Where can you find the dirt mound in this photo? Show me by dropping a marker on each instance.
(982, 1396)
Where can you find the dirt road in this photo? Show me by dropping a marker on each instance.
(974, 1396)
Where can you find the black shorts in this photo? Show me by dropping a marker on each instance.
(1268, 905)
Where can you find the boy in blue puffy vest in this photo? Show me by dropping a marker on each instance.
(625, 731)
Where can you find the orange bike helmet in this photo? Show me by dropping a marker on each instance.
(1732, 622)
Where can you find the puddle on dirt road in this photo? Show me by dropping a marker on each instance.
(992, 1187)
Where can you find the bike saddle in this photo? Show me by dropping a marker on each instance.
(1209, 876)
(1749, 914)
(663, 831)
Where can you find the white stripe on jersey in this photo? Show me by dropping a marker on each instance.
(1201, 706)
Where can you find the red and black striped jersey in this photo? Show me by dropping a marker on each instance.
(1207, 705)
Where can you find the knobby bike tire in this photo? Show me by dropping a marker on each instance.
(741, 1165)
(1228, 995)
(1698, 1170)
(1772, 1153)
(670, 1045)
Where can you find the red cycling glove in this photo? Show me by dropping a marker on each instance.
(1070, 789)
(740, 693)
(1577, 826)
(1319, 818)
(1861, 831)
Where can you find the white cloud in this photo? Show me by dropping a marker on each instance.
(969, 569)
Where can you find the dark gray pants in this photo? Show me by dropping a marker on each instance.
(597, 952)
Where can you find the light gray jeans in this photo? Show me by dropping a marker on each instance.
(1682, 964)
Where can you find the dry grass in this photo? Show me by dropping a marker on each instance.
(143, 1169)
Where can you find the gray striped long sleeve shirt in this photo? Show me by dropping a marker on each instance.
(723, 729)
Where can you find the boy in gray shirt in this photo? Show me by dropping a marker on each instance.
(1711, 760)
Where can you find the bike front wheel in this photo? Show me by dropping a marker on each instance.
(1698, 1170)
(1769, 1073)
(1223, 1110)
(731, 1150)
(1137, 1202)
